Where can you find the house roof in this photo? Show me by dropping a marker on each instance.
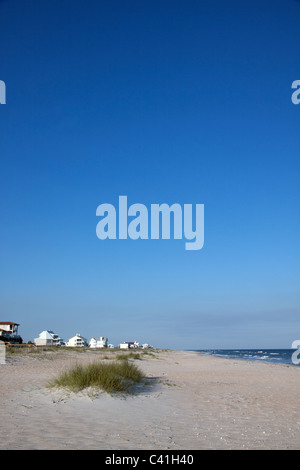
(78, 336)
(9, 323)
(45, 335)
(48, 334)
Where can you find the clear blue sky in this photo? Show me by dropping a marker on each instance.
(162, 101)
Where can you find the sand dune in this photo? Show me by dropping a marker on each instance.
(190, 402)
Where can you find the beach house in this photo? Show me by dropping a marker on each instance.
(129, 345)
(100, 342)
(48, 338)
(77, 341)
(9, 332)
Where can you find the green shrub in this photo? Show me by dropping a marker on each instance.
(112, 377)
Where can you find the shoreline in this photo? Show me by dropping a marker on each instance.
(191, 401)
(247, 359)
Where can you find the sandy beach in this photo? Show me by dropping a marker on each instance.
(190, 402)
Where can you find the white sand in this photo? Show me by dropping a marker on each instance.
(198, 402)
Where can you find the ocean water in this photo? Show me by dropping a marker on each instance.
(275, 356)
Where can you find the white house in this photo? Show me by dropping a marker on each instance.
(129, 345)
(100, 342)
(9, 332)
(48, 338)
(77, 341)
(10, 327)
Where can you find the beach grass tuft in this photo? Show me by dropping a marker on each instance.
(130, 355)
(113, 377)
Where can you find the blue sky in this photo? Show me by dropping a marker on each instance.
(162, 101)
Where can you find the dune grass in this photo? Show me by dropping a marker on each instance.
(113, 377)
(128, 355)
(27, 349)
